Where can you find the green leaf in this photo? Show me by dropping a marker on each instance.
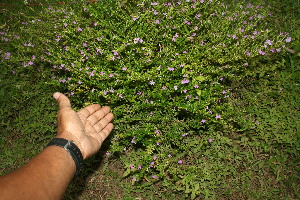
(127, 172)
(200, 78)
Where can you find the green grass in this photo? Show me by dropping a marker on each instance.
(260, 162)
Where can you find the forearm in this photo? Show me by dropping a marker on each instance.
(46, 176)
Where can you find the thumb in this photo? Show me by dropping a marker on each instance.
(62, 100)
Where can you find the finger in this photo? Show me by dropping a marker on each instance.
(62, 100)
(104, 133)
(98, 127)
(98, 115)
(87, 111)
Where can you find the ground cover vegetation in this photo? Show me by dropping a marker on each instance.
(205, 97)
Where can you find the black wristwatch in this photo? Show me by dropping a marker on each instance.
(73, 150)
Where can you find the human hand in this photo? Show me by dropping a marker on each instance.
(88, 128)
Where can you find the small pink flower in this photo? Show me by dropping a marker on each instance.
(134, 178)
(261, 52)
(288, 39)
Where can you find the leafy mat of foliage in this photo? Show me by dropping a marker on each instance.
(206, 102)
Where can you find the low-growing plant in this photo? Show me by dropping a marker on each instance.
(165, 69)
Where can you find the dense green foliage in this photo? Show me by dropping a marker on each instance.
(205, 101)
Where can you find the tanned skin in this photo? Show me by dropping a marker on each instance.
(47, 175)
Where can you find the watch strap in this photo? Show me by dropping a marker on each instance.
(73, 150)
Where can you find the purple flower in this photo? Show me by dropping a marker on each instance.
(175, 87)
(187, 22)
(210, 140)
(169, 155)
(218, 116)
(137, 40)
(121, 96)
(185, 81)
(140, 167)
(155, 12)
(185, 134)
(131, 166)
(157, 21)
(134, 178)
(261, 52)
(154, 157)
(152, 82)
(269, 42)
(133, 140)
(180, 162)
(154, 176)
(203, 120)
(124, 68)
(151, 164)
(288, 39)
(79, 29)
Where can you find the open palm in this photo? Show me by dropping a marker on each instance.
(88, 128)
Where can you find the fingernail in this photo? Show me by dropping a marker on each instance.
(56, 95)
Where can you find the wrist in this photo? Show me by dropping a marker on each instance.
(68, 136)
(72, 150)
